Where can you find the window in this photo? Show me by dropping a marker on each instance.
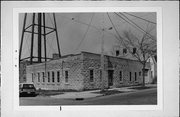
(43, 76)
(66, 76)
(120, 75)
(38, 77)
(32, 77)
(58, 78)
(124, 51)
(48, 76)
(146, 72)
(91, 74)
(100, 74)
(52, 76)
(139, 73)
(135, 76)
(117, 52)
(130, 76)
(134, 50)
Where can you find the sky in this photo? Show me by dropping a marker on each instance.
(75, 34)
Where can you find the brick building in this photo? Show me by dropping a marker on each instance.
(82, 72)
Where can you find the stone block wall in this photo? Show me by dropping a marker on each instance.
(72, 64)
(79, 67)
(115, 64)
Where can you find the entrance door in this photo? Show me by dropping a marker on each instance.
(110, 77)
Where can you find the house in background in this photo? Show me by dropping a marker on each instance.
(83, 72)
(150, 74)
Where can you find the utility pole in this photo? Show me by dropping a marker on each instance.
(103, 76)
(102, 56)
(102, 61)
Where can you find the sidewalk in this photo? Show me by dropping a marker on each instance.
(91, 94)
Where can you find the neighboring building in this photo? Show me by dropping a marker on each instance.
(122, 52)
(82, 72)
(22, 71)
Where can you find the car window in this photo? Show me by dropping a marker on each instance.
(28, 86)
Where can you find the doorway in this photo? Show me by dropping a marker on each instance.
(110, 77)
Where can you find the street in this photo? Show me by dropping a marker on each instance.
(145, 97)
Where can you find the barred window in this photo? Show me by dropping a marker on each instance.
(91, 74)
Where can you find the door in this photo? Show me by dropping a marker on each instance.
(110, 77)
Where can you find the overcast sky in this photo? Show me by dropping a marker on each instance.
(72, 29)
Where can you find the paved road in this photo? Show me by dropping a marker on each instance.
(145, 97)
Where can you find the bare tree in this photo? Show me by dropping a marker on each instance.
(142, 48)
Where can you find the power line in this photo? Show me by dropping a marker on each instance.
(134, 25)
(140, 18)
(115, 28)
(92, 26)
(85, 33)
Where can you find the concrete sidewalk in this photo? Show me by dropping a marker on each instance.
(91, 94)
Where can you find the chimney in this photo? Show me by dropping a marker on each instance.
(55, 56)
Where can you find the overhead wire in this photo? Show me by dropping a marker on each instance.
(134, 24)
(120, 38)
(92, 26)
(140, 18)
(115, 28)
(85, 33)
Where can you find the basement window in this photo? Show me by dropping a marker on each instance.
(91, 74)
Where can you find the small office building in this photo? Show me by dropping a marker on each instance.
(83, 72)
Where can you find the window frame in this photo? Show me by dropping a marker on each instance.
(58, 76)
(66, 75)
(53, 79)
(49, 76)
(135, 76)
(120, 75)
(32, 74)
(39, 80)
(91, 79)
(43, 76)
(130, 76)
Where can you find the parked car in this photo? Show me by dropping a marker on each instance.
(27, 89)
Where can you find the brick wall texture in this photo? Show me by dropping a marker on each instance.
(74, 72)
